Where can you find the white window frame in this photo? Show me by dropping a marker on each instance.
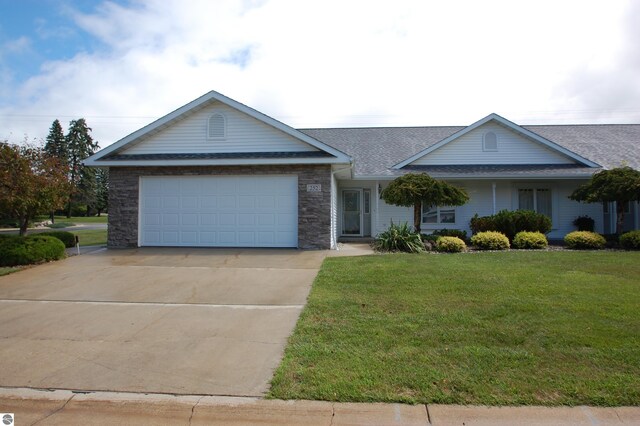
(438, 210)
(224, 126)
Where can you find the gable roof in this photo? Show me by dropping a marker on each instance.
(376, 150)
(114, 155)
(509, 125)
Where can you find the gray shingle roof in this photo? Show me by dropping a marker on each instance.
(376, 150)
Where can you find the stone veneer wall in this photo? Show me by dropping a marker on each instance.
(314, 208)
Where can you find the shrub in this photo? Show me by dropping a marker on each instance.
(630, 240)
(429, 241)
(530, 240)
(450, 245)
(582, 240)
(27, 250)
(67, 238)
(490, 240)
(584, 223)
(510, 223)
(399, 238)
(451, 233)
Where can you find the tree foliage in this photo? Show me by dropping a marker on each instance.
(31, 182)
(418, 189)
(619, 185)
(80, 146)
(102, 190)
(56, 145)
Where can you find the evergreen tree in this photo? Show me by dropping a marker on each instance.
(56, 145)
(102, 190)
(80, 145)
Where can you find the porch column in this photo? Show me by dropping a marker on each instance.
(493, 192)
(374, 226)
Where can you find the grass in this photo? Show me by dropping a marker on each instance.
(92, 237)
(81, 219)
(512, 328)
(4, 270)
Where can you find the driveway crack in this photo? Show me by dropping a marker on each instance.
(54, 412)
(193, 409)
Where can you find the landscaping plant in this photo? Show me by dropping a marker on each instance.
(510, 223)
(490, 240)
(451, 233)
(450, 245)
(630, 240)
(18, 250)
(584, 223)
(399, 238)
(530, 240)
(584, 240)
(67, 238)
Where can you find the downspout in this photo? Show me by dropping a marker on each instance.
(493, 191)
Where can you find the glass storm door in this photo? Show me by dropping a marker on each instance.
(351, 212)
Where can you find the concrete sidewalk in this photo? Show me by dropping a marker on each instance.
(103, 408)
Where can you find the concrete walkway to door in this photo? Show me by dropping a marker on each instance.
(158, 320)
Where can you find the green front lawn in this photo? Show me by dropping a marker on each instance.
(541, 328)
(92, 237)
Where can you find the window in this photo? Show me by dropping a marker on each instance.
(367, 201)
(490, 142)
(536, 199)
(438, 215)
(217, 127)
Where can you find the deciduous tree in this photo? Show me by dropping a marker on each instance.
(418, 189)
(619, 185)
(31, 182)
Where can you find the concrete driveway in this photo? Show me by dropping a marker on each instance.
(178, 321)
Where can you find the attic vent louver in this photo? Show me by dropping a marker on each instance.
(490, 142)
(217, 127)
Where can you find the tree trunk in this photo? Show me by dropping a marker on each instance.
(69, 210)
(619, 217)
(24, 224)
(417, 216)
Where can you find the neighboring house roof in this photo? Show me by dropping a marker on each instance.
(376, 150)
(115, 154)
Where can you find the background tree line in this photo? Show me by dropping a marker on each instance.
(36, 179)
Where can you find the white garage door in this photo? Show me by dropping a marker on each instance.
(219, 211)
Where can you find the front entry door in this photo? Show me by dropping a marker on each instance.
(351, 212)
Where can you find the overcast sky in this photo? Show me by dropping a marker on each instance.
(122, 64)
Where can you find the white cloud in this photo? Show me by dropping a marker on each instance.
(331, 63)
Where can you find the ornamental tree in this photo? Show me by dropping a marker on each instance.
(418, 189)
(31, 183)
(621, 185)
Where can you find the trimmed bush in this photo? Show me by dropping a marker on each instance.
(27, 250)
(429, 241)
(510, 223)
(490, 240)
(399, 238)
(450, 245)
(584, 240)
(630, 240)
(584, 223)
(451, 233)
(67, 238)
(530, 240)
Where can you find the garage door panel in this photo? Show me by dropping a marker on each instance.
(224, 211)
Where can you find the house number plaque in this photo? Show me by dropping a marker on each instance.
(314, 187)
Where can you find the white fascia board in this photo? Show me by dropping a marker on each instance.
(212, 162)
(484, 177)
(510, 125)
(213, 95)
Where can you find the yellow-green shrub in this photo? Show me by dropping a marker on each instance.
(490, 240)
(630, 240)
(584, 240)
(450, 245)
(530, 240)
